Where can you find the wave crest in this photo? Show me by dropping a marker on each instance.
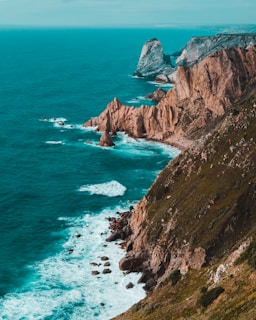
(109, 189)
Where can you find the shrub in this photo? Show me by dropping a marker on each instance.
(208, 297)
(175, 276)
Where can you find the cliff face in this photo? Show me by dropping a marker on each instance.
(196, 220)
(200, 47)
(201, 93)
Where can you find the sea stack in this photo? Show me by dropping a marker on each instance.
(153, 61)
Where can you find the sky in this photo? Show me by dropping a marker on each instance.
(126, 13)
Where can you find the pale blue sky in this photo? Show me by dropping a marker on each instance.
(122, 13)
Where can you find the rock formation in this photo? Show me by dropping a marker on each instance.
(200, 214)
(198, 217)
(152, 60)
(106, 140)
(155, 65)
(200, 95)
(157, 96)
(200, 47)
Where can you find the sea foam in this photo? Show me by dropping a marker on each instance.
(109, 189)
(54, 142)
(64, 287)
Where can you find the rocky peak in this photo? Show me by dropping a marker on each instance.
(152, 60)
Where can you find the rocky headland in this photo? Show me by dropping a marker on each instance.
(193, 235)
(155, 64)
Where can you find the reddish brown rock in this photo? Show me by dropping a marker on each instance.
(201, 93)
(106, 140)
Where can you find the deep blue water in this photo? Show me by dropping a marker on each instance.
(53, 184)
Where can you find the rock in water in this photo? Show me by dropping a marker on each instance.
(153, 61)
(106, 140)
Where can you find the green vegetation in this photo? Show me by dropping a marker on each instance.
(208, 297)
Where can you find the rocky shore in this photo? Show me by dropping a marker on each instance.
(198, 217)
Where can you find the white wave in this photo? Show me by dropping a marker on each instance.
(81, 127)
(61, 119)
(109, 189)
(64, 287)
(54, 142)
(143, 147)
(139, 99)
(161, 85)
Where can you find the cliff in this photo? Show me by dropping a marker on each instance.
(200, 95)
(193, 235)
(200, 47)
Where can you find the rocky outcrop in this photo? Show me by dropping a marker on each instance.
(153, 61)
(106, 140)
(157, 96)
(200, 47)
(200, 95)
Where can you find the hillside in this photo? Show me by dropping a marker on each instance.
(198, 217)
(193, 235)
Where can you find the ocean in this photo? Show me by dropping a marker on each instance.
(58, 187)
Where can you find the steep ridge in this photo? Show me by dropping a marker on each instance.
(200, 94)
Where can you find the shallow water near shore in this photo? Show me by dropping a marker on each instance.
(58, 187)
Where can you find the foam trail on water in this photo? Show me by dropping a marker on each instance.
(54, 142)
(161, 85)
(109, 189)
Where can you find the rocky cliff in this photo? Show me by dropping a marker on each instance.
(193, 235)
(200, 95)
(200, 47)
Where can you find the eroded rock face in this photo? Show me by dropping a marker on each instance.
(152, 60)
(200, 47)
(201, 93)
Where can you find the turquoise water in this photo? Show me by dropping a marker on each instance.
(57, 190)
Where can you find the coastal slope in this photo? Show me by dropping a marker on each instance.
(193, 235)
